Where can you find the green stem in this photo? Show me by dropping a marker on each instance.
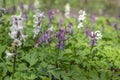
(14, 63)
(117, 34)
(4, 3)
(91, 51)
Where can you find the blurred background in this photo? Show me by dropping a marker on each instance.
(101, 7)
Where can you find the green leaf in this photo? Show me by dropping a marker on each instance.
(31, 58)
(22, 67)
(2, 49)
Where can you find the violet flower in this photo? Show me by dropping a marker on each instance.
(70, 28)
(93, 18)
(93, 42)
(21, 6)
(94, 36)
(46, 37)
(61, 39)
(24, 15)
(115, 25)
(87, 32)
(60, 23)
(50, 18)
(31, 7)
(50, 15)
(23, 10)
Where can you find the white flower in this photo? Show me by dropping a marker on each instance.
(17, 42)
(23, 37)
(98, 35)
(13, 34)
(82, 15)
(36, 31)
(17, 30)
(51, 28)
(81, 18)
(38, 18)
(8, 54)
(26, 7)
(67, 10)
(80, 25)
(36, 4)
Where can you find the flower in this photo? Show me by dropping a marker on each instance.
(95, 35)
(38, 19)
(93, 18)
(81, 18)
(87, 31)
(98, 35)
(17, 42)
(36, 4)
(17, 30)
(115, 25)
(50, 17)
(61, 39)
(70, 28)
(8, 54)
(67, 10)
(82, 15)
(80, 25)
(46, 37)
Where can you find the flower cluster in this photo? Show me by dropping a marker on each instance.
(36, 5)
(8, 54)
(23, 10)
(2, 11)
(95, 35)
(38, 19)
(17, 30)
(70, 27)
(67, 10)
(61, 38)
(44, 38)
(81, 18)
(50, 18)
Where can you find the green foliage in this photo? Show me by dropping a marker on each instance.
(76, 62)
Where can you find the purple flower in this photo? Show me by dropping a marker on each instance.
(24, 15)
(60, 23)
(70, 28)
(93, 18)
(94, 36)
(61, 39)
(51, 17)
(46, 37)
(87, 32)
(11, 10)
(51, 14)
(115, 25)
(21, 6)
(93, 42)
(31, 7)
